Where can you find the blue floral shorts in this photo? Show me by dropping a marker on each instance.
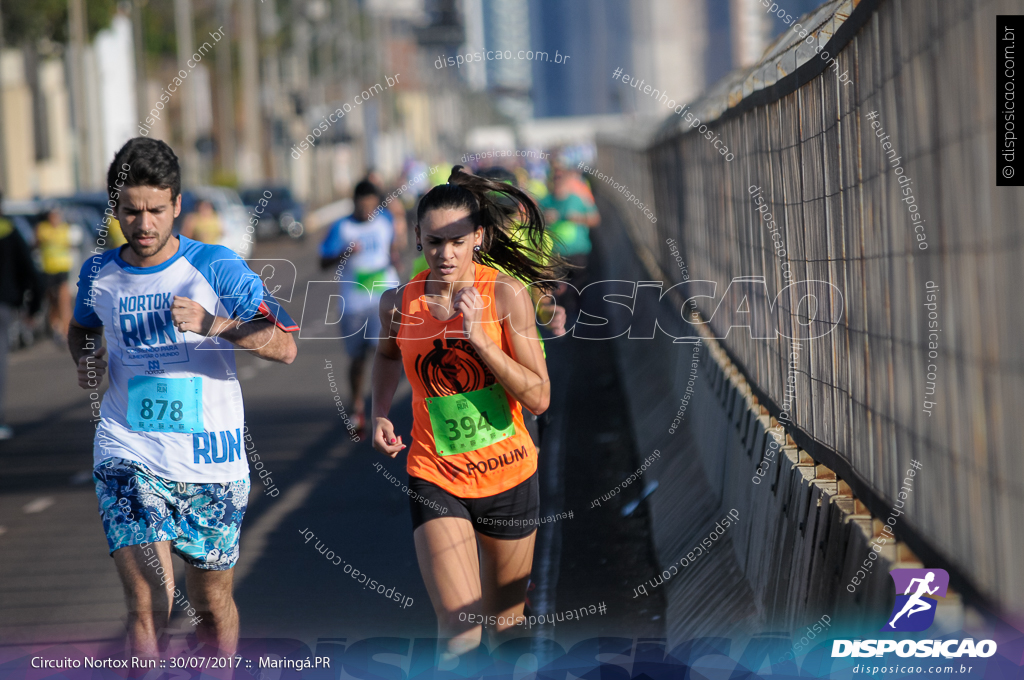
(202, 521)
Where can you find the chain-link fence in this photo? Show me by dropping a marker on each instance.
(886, 189)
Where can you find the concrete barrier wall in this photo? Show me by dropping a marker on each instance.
(801, 534)
(925, 72)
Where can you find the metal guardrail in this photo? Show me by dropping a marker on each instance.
(928, 70)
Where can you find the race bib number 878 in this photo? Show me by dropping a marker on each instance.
(165, 404)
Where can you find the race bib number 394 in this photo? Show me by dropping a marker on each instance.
(165, 404)
(470, 421)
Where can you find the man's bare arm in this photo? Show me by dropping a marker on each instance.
(262, 337)
(80, 337)
(87, 353)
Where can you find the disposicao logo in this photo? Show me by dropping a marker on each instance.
(914, 612)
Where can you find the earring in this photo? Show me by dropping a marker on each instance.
(419, 247)
(476, 249)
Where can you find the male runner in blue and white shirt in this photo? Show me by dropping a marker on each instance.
(367, 239)
(170, 466)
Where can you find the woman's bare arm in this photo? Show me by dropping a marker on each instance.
(524, 374)
(387, 371)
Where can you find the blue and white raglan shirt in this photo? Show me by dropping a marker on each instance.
(370, 266)
(174, 402)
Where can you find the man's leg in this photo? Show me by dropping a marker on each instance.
(138, 529)
(209, 592)
(148, 582)
(212, 524)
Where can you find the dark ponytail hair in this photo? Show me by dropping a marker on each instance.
(497, 207)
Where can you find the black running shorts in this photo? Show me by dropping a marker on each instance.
(510, 514)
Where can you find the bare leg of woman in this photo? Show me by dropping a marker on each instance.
(447, 553)
(506, 573)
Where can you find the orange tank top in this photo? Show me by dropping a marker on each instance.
(440, 363)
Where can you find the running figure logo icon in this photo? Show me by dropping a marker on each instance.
(914, 612)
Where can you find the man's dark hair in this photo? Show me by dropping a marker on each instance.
(366, 188)
(146, 163)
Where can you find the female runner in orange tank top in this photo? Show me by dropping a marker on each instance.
(466, 337)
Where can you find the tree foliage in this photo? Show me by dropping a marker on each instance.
(32, 20)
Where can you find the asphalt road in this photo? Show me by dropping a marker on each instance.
(58, 584)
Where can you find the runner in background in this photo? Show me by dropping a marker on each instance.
(370, 264)
(54, 241)
(466, 337)
(396, 213)
(170, 467)
(203, 225)
(115, 237)
(18, 276)
(532, 178)
(572, 213)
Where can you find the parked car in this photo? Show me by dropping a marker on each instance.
(282, 214)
